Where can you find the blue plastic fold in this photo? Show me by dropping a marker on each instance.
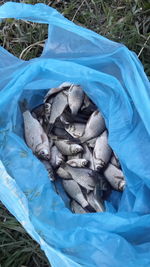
(113, 77)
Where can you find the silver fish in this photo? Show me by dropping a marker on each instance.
(56, 90)
(115, 161)
(75, 98)
(77, 162)
(94, 127)
(76, 208)
(49, 169)
(56, 157)
(115, 177)
(74, 191)
(59, 103)
(102, 151)
(87, 154)
(63, 174)
(95, 202)
(75, 129)
(83, 176)
(68, 148)
(35, 136)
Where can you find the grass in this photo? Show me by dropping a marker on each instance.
(124, 21)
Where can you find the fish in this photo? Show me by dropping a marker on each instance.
(49, 169)
(68, 118)
(74, 191)
(115, 161)
(83, 176)
(75, 98)
(63, 173)
(56, 157)
(115, 177)
(95, 202)
(88, 155)
(63, 134)
(68, 148)
(75, 129)
(102, 151)
(77, 162)
(35, 136)
(56, 90)
(94, 127)
(74, 156)
(77, 208)
(58, 105)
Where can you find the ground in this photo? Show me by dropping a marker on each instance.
(123, 21)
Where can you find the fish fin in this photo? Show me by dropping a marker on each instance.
(23, 105)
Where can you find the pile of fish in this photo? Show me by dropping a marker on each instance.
(68, 134)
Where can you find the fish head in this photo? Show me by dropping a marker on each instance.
(43, 152)
(76, 148)
(84, 162)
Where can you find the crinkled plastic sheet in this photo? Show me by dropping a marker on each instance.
(114, 79)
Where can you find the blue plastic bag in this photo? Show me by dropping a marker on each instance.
(114, 79)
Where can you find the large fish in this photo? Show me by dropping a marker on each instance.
(75, 98)
(115, 177)
(94, 127)
(83, 176)
(115, 161)
(68, 148)
(102, 151)
(35, 136)
(74, 191)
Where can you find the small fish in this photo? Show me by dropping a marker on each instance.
(77, 208)
(95, 202)
(77, 162)
(56, 157)
(94, 127)
(67, 118)
(63, 134)
(102, 151)
(83, 176)
(62, 173)
(74, 191)
(87, 154)
(35, 136)
(115, 177)
(58, 105)
(75, 129)
(68, 148)
(115, 161)
(49, 169)
(75, 98)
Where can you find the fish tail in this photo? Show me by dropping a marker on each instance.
(23, 105)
